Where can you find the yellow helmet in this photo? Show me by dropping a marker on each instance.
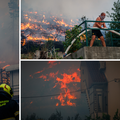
(6, 89)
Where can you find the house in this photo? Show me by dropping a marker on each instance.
(101, 83)
(14, 80)
(4, 77)
(112, 73)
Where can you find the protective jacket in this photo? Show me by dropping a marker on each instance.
(9, 109)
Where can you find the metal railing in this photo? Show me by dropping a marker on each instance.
(87, 28)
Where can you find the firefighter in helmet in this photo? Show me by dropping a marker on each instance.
(9, 109)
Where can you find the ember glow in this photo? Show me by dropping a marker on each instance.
(44, 26)
(66, 82)
(52, 63)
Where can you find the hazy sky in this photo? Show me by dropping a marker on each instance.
(71, 9)
(8, 45)
(50, 78)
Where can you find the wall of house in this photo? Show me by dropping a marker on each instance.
(84, 76)
(112, 72)
(98, 96)
(14, 81)
(91, 93)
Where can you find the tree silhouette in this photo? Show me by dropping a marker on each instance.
(56, 116)
(59, 116)
(115, 16)
(68, 118)
(53, 117)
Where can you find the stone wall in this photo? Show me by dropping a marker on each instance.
(96, 53)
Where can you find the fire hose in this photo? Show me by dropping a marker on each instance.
(68, 48)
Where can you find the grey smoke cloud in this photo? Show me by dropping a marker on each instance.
(72, 9)
(8, 46)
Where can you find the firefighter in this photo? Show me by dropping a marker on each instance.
(9, 109)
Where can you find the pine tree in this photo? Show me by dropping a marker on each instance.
(115, 16)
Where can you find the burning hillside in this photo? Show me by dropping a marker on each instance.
(44, 27)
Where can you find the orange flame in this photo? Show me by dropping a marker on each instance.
(62, 23)
(52, 75)
(44, 77)
(5, 67)
(57, 104)
(23, 42)
(66, 98)
(39, 71)
(52, 63)
(64, 82)
(41, 19)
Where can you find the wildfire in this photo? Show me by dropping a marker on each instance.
(52, 63)
(66, 98)
(66, 82)
(57, 104)
(62, 23)
(23, 42)
(42, 26)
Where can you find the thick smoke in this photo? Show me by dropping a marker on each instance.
(71, 9)
(67, 10)
(8, 38)
(38, 25)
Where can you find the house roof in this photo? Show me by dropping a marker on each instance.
(12, 68)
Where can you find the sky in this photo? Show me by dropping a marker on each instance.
(71, 9)
(8, 41)
(44, 78)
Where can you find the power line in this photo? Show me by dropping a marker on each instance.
(50, 95)
(58, 94)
